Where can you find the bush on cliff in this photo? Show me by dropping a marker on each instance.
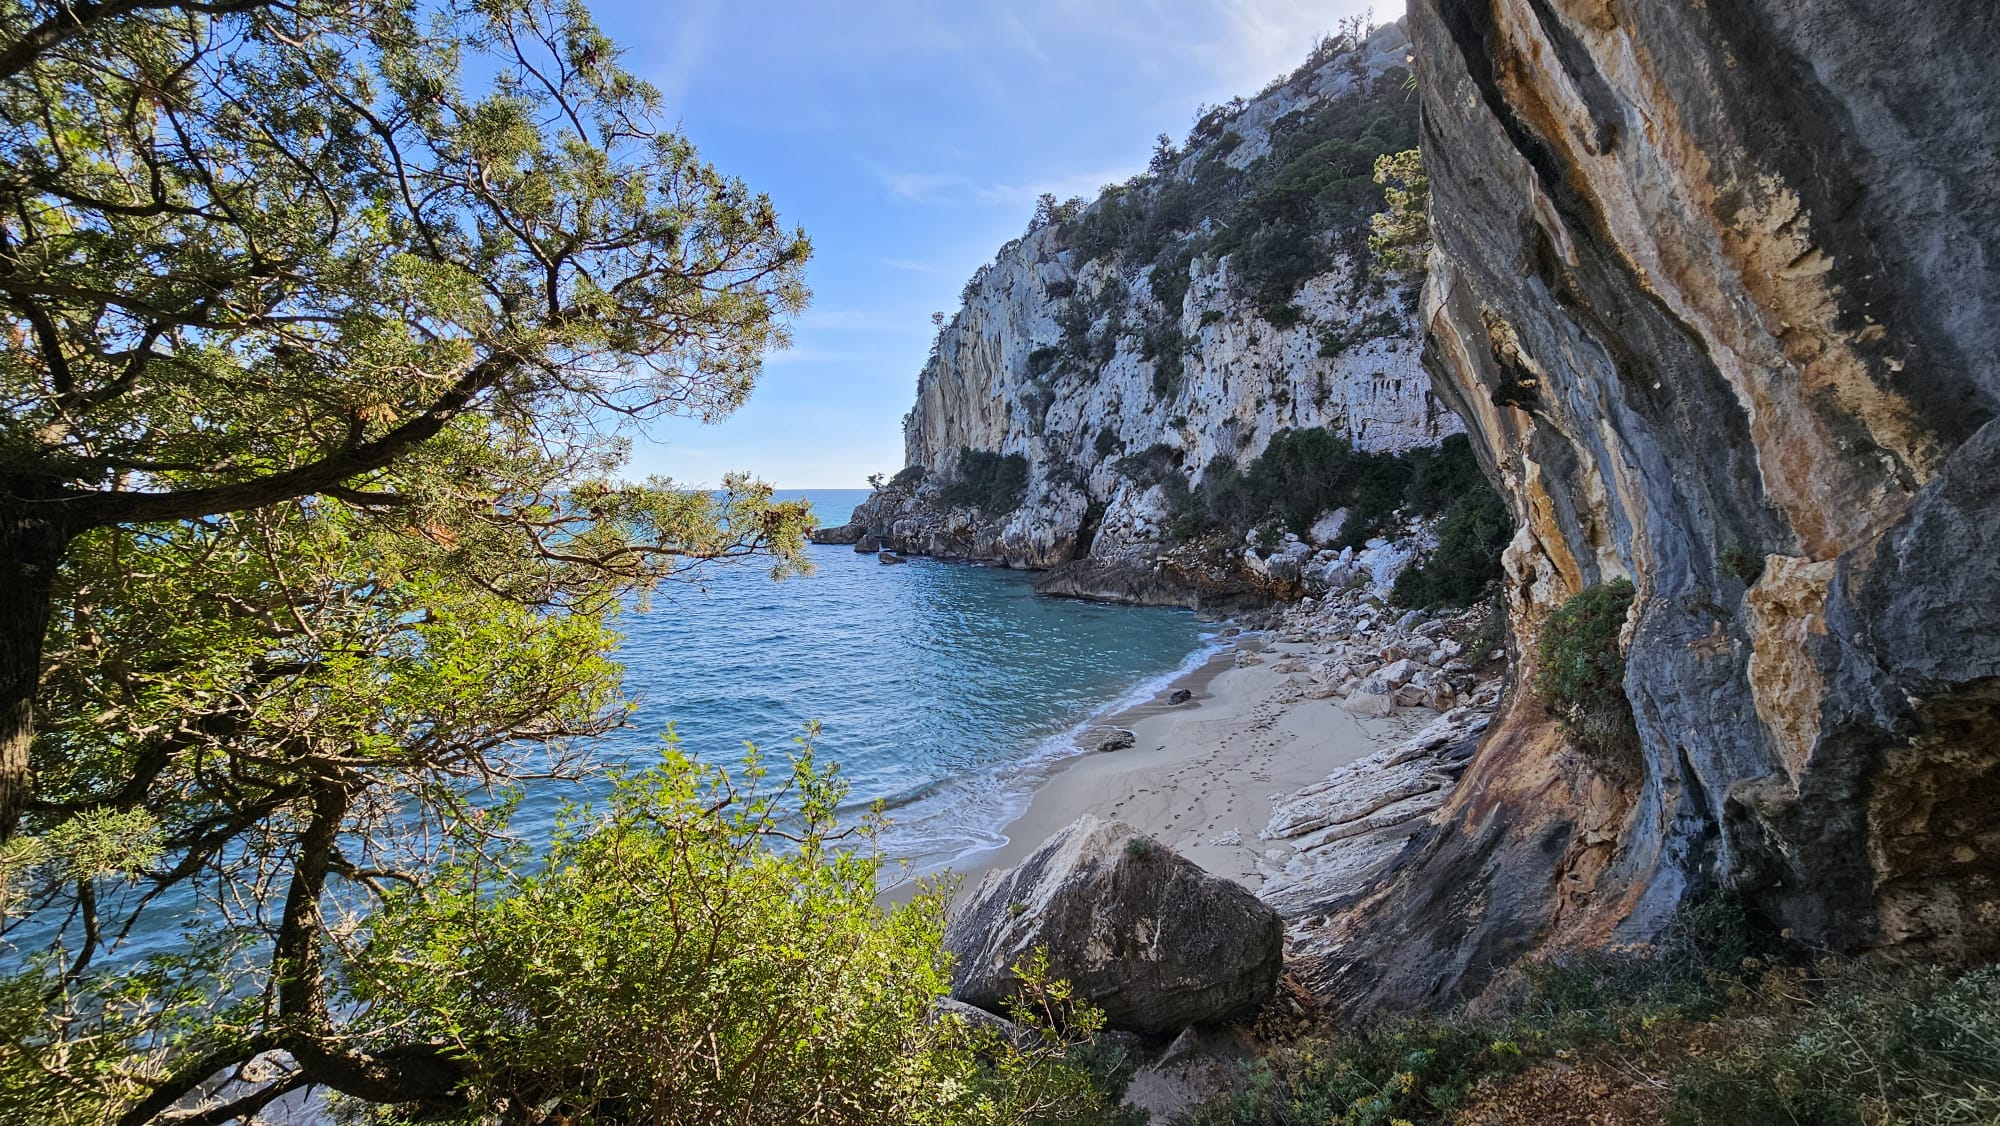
(1580, 672)
(994, 483)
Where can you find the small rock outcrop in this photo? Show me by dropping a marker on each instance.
(1141, 932)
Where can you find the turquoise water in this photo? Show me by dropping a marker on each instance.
(942, 689)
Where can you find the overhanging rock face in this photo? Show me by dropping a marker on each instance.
(1717, 290)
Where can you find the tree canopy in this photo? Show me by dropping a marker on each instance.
(252, 251)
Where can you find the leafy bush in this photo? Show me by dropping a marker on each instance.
(993, 482)
(1580, 673)
(1107, 442)
(1466, 563)
(715, 922)
(1400, 234)
(1151, 465)
(1443, 474)
(909, 477)
(1042, 359)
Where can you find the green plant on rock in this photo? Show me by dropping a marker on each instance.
(992, 482)
(1580, 672)
(1400, 235)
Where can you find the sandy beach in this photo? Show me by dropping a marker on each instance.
(1201, 775)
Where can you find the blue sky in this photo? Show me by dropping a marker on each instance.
(910, 139)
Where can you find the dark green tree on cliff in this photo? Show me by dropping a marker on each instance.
(254, 251)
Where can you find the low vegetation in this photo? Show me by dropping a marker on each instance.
(1303, 474)
(1721, 1024)
(992, 482)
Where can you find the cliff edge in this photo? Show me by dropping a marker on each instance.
(1714, 290)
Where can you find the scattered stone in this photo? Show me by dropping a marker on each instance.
(1139, 931)
(1398, 672)
(1373, 696)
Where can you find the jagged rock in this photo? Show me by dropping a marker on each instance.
(838, 534)
(1327, 528)
(1142, 933)
(1373, 696)
(868, 543)
(892, 557)
(1398, 672)
(1200, 1066)
(1348, 828)
(988, 386)
(1179, 696)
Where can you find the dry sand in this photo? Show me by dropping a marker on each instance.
(1201, 774)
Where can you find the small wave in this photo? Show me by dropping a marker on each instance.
(973, 811)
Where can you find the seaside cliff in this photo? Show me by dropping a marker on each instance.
(1125, 350)
(1713, 289)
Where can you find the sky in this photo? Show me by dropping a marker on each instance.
(910, 139)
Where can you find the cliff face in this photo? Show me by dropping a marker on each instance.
(1715, 290)
(1147, 321)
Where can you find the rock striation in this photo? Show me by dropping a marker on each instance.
(1141, 932)
(1124, 347)
(1713, 288)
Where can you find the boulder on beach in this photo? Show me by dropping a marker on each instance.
(1179, 696)
(1141, 932)
(1105, 739)
(1373, 696)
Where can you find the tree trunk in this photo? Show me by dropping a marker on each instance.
(33, 538)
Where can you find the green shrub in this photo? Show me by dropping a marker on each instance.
(1921, 1049)
(1151, 465)
(1043, 359)
(1743, 563)
(1422, 1070)
(1580, 673)
(1440, 476)
(1210, 316)
(1466, 563)
(909, 477)
(1107, 442)
(993, 482)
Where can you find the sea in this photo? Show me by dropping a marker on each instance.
(945, 691)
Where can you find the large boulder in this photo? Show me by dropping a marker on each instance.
(1141, 932)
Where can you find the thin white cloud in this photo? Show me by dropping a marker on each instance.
(960, 190)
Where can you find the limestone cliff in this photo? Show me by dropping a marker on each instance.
(1715, 290)
(1125, 347)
